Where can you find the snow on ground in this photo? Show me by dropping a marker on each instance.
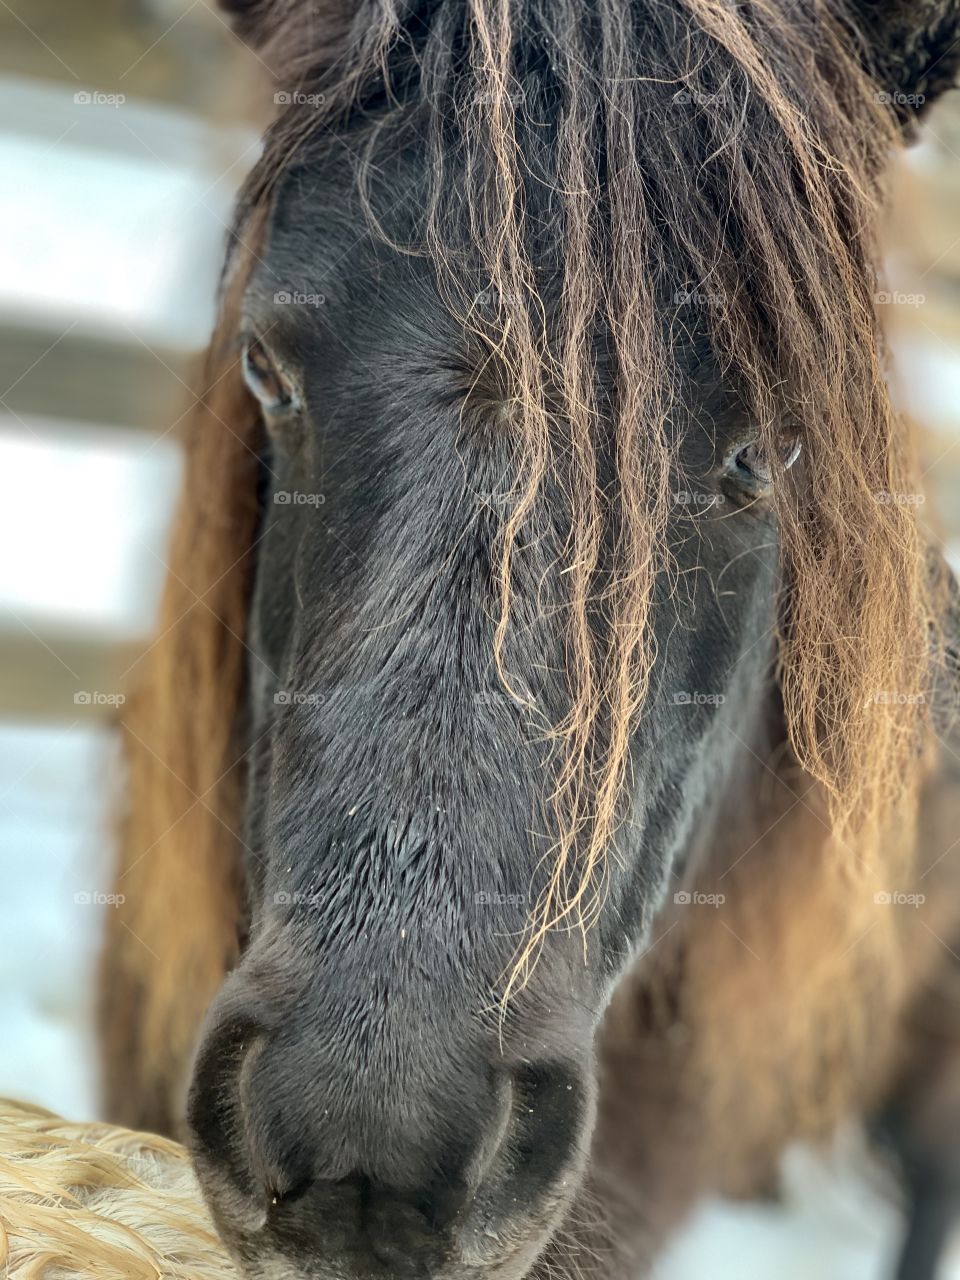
(53, 863)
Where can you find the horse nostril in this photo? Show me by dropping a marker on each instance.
(258, 1129)
(398, 1260)
(280, 1196)
(444, 1204)
(214, 1104)
(386, 1232)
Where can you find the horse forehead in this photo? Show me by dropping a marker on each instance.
(325, 202)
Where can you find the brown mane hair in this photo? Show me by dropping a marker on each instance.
(183, 749)
(778, 133)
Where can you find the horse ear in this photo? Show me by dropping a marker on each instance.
(911, 48)
(256, 21)
(299, 27)
(300, 41)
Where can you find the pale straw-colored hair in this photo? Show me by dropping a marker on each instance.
(97, 1200)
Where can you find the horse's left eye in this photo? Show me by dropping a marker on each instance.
(266, 380)
(751, 464)
(751, 468)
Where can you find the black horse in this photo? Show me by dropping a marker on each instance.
(552, 741)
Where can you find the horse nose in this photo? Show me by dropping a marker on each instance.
(367, 1229)
(374, 1170)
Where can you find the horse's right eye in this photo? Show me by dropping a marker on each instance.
(263, 375)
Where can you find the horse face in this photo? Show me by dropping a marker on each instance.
(361, 1104)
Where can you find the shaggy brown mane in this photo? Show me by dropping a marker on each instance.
(735, 150)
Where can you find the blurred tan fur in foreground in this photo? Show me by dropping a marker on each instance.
(96, 1200)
